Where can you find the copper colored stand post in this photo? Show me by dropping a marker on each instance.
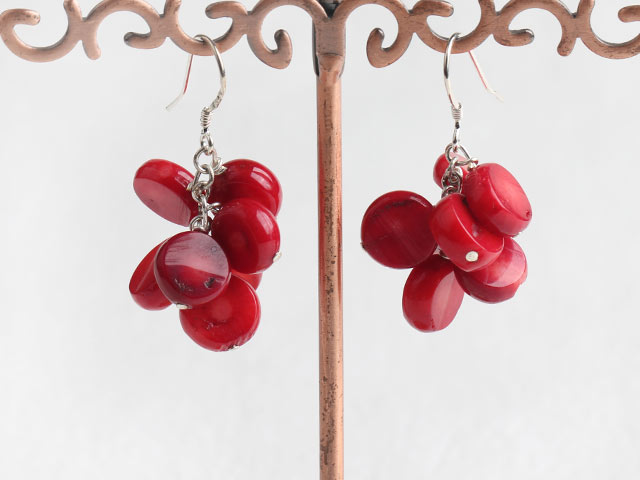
(330, 266)
(329, 21)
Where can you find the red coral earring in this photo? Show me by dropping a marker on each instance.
(210, 272)
(461, 245)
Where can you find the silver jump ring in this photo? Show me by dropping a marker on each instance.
(196, 163)
(452, 148)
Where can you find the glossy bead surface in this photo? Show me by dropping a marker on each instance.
(191, 269)
(395, 230)
(143, 286)
(226, 322)
(467, 244)
(162, 186)
(496, 199)
(253, 279)
(441, 166)
(248, 233)
(500, 280)
(247, 179)
(432, 296)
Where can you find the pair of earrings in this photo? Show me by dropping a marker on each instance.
(210, 272)
(462, 245)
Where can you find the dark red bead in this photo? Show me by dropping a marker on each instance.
(191, 269)
(395, 230)
(162, 186)
(226, 322)
(441, 166)
(500, 280)
(143, 286)
(253, 279)
(248, 233)
(496, 199)
(432, 296)
(467, 244)
(247, 179)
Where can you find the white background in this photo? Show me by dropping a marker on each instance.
(544, 386)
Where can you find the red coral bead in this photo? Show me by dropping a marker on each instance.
(432, 296)
(467, 244)
(496, 199)
(248, 233)
(143, 286)
(226, 322)
(395, 230)
(441, 166)
(247, 179)
(253, 279)
(500, 280)
(191, 269)
(162, 186)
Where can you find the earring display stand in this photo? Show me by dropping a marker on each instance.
(329, 35)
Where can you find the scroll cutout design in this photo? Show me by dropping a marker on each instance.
(330, 30)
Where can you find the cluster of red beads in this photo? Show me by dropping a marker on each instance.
(212, 276)
(462, 245)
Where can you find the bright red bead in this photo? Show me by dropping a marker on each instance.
(496, 199)
(191, 269)
(432, 296)
(247, 179)
(143, 286)
(248, 233)
(500, 280)
(395, 230)
(467, 244)
(226, 322)
(253, 279)
(441, 166)
(162, 186)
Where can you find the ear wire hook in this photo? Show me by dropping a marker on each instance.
(456, 106)
(206, 112)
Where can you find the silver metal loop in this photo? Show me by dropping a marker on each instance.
(456, 149)
(456, 135)
(215, 208)
(215, 164)
(458, 158)
(200, 223)
(206, 142)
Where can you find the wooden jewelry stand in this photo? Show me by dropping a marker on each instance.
(329, 18)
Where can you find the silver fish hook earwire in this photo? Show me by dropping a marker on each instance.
(223, 77)
(201, 185)
(452, 179)
(455, 104)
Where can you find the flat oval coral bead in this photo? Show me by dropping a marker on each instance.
(395, 230)
(496, 199)
(248, 233)
(468, 245)
(226, 322)
(441, 166)
(432, 296)
(247, 179)
(191, 269)
(162, 186)
(500, 280)
(143, 286)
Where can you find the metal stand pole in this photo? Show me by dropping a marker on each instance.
(330, 266)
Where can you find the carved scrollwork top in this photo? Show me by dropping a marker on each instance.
(330, 29)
